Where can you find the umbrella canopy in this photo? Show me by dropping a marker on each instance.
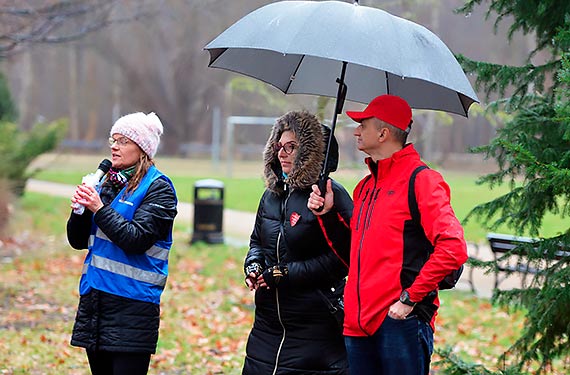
(302, 47)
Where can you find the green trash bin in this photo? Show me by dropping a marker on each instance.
(208, 211)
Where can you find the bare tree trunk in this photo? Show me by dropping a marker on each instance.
(116, 110)
(26, 89)
(90, 70)
(6, 199)
(73, 99)
(92, 125)
(430, 136)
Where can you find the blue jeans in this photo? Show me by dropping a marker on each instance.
(399, 347)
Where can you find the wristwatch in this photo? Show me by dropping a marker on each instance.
(405, 299)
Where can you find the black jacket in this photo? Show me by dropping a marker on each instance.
(109, 322)
(294, 330)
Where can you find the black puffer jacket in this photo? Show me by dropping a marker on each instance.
(114, 323)
(293, 331)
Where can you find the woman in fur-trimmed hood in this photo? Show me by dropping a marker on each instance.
(291, 264)
(311, 152)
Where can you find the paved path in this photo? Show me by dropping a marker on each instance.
(237, 232)
(238, 225)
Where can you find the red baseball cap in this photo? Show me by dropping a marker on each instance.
(388, 108)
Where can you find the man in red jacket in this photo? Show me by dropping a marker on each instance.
(396, 262)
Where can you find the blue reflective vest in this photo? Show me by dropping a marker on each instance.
(108, 268)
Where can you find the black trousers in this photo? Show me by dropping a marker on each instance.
(118, 363)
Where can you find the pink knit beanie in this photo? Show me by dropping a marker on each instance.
(144, 130)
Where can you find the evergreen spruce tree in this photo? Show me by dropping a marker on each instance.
(532, 150)
(19, 148)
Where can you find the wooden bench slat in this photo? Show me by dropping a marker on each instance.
(518, 262)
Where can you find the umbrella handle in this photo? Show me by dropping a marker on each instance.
(322, 184)
(341, 95)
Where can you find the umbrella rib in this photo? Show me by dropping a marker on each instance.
(465, 110)
(294, 74)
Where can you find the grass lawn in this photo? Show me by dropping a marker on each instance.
(206, 309)
(244, 188)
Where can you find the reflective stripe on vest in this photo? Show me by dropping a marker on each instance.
(128, 271)
(108, 268)
(154, 251)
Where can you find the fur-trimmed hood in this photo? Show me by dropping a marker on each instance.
(311, 137)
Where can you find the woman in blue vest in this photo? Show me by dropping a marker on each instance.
(127, 227)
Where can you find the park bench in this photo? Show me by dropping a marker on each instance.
(517, 262)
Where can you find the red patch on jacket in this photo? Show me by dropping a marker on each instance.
(294, 218)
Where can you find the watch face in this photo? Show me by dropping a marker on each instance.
(405, 298)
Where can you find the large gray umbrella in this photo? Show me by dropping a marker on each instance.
(338, 49)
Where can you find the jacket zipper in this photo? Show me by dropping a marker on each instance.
(372, 205)
(283, 210)
(361, 207)
(366, 220)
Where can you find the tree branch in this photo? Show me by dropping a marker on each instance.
(61, 21)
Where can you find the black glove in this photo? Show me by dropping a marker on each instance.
(275, 276)
(255, 268)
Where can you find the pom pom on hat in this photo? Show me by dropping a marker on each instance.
(144, 130)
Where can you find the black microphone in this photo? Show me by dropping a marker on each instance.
(92, 179)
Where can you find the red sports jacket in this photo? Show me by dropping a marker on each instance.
(385, 257)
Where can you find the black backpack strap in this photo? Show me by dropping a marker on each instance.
(451, 279)
(412, 202)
